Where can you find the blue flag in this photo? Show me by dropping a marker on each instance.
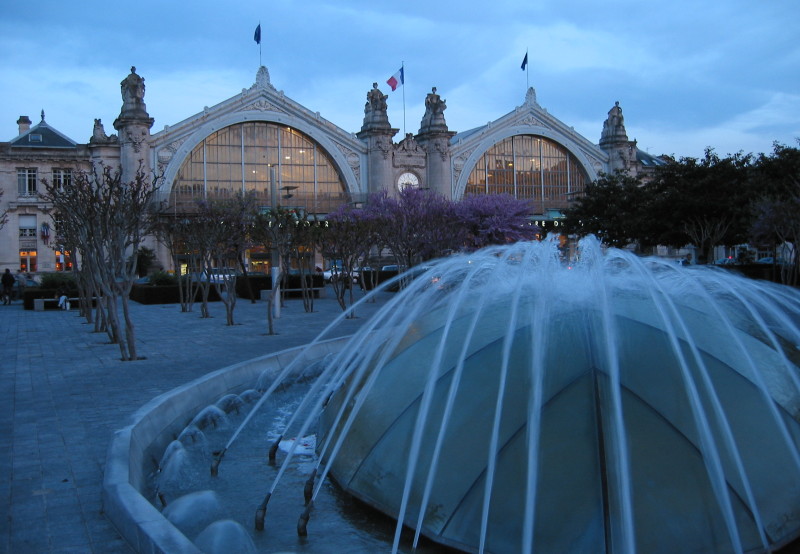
(257, 35)
(525, 61)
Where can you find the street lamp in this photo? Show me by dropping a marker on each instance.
(275, 257)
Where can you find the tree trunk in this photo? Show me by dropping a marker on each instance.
(130, 332)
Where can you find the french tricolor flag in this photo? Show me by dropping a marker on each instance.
(396, 80)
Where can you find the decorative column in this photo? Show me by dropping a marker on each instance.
(377, 133)
(434, 137)
(133, 126)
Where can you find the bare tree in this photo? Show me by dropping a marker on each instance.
(277, 231)
(348, 237)
(173, 230)
(225, 227)
(110, 219)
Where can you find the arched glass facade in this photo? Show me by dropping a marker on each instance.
(531, 167)
(237, 159)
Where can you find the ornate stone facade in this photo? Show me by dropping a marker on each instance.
(367, 161)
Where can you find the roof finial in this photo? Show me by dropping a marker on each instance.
(42, 116)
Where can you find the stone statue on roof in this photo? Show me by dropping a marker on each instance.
(375, 114)
(132, 88)
(433, 120)
(614, 126)
(99, 135)
(133, 105)
(376, 100)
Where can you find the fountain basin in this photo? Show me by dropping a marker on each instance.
(135, 450)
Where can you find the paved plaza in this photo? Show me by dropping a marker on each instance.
(65, 391)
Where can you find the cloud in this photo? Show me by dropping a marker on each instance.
(753, 131)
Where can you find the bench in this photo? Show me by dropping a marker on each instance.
(42, 304)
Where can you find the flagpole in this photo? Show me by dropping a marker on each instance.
(259, 47)
(403, 73)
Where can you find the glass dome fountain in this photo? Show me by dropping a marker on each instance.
(507, 401)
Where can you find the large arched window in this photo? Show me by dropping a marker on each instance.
(531, 167)
(238, 159)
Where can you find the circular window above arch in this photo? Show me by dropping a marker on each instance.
(407, 179)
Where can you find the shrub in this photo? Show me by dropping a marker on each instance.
(58, 280)
(163, 278)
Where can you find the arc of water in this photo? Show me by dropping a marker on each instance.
(709, 448)
(763, 387)
(387, 351)
(447, 412)
(750, 302)
(340, 370)
(620, 442)
(339, 375)
(498, 411)
(433, 375)
(539, 338)
(293, 364)
(768, 402)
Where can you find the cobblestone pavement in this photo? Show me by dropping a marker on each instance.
(64, 391)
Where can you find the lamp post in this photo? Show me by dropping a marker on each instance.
(275, 257)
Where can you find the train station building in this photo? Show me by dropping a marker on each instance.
(233, 147)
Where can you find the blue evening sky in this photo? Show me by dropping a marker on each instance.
(687, 74)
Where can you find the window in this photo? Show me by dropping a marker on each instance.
(27, 225)
(531, 167)
(35, 137)
(27, 261)
(26, 181)
(63, 260)
(238, 159)
(62, 178)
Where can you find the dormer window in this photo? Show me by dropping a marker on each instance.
(35, 137)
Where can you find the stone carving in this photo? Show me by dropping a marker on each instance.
(375, 116)
(441, 147)
(132, 88)
(262, 78)
(353, 160)
(459, 161)
(136, 139)
(384, 145)
(263, 105)
(175, 145)
(532, 121)
(433, 120)
(614, 126)
(99, 135)
(164, 155)
(408, 144)
(408, 153)
(376, 99)
(530, 97)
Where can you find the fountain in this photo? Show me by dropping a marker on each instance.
(619, 404)
(507, 401)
